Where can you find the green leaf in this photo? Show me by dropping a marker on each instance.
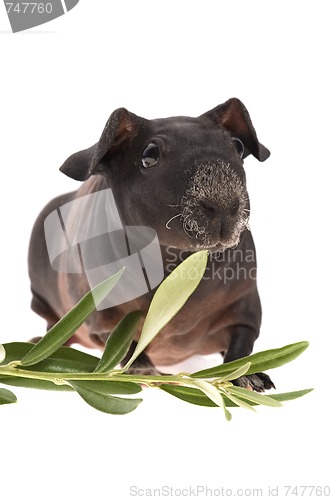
(188, 394)
(211, 391)
(57, 364)
(118, 342)
(253, 396)
(15, 351)
(110, 387)
(288, 396)
(7, 397)
(260, 361)
(169, 298)
(236, 373)
(2, 353)
(191, 395)
(67, 326)
(228, 414)
(31, 383)
(240, 402)
(105, 402)
(196, 397)
(63, 360)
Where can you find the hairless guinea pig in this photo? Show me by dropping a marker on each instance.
(183, 178)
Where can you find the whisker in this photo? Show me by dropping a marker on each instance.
(191, 227)
(246, 223)
(170, 220)
(187, 225)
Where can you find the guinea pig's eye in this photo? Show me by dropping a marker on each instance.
(150, 155)
(238, 146)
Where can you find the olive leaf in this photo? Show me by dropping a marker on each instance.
(196, 397)
(111, 387)
(289, 396)
(252, 396)
(188, 394)
(211, 391)
(239, 402)
(169, 298)
(32, 383)
(64, 359)
(104, 402)
(66, 327)
(118, 342)
(260, 361)
(239, 372)
(7, 397)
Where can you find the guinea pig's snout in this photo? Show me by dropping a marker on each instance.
(215, 206)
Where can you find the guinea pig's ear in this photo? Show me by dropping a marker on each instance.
(234, 117)
(121, 126)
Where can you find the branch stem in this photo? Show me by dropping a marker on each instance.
(114, 376)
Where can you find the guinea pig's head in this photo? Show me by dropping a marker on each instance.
(182, 176)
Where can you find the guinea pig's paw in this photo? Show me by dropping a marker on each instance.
(258, 382)
(143, 369)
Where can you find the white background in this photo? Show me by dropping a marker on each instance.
(59, 83)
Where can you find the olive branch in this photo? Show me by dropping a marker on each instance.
(49, 365)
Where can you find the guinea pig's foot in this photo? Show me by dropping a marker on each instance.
(142, 369)
(142, 364)
(258, 382)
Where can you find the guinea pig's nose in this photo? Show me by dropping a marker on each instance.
(210, 208)
(213, 209)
